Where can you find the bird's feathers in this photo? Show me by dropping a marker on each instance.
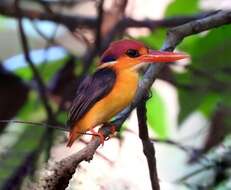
(91, 90)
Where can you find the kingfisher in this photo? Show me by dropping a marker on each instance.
(113, 85)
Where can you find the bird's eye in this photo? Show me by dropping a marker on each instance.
(132, 53)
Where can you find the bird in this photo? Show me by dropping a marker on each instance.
(113, 85)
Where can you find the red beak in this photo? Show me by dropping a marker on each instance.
(162, 56)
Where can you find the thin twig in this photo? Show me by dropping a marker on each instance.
(148, 146)
(173, 143)
(38, 79)
(177, 34)
(193, 173)
(71, 22)
(66, 3)
(99, 24)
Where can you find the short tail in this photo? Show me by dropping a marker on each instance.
(72, 137)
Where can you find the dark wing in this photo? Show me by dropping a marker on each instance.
(91, 90)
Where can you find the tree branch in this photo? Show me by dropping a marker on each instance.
(177, 34)
(26, 50)
(148, 146)
(62, 171)
(99, 24)
(70, 22)
(65, 2)
(58, 175)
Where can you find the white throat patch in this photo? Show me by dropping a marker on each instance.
(110, 63)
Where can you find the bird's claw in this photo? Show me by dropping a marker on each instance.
(100, 135)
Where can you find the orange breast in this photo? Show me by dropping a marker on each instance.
(121, 96)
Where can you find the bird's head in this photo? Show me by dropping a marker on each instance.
(131, 54)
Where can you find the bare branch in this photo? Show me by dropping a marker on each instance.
(99, 24)
(173, 143)
(148, 146)
(59, 174)
(177, 34)
(73, 22)
(70, 22)
(65, 2)
(40, 83)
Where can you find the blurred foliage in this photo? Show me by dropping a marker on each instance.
(47, 70)
(208, 73)
(155, 40)
(178, 7)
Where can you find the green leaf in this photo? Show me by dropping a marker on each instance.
(189, 101)
(209, 104)
(212, 53)
(189, 98)
(226, 99)
(24, 73)
(179, 7)
(156, 115)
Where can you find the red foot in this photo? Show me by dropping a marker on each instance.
(100, 135)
